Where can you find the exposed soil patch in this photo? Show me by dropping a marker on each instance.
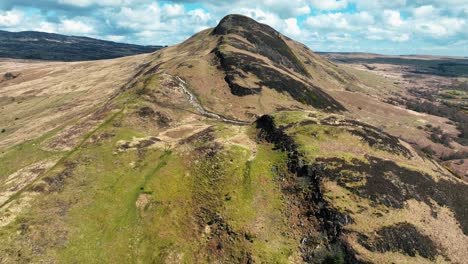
(402, 237)
(143, 201)
(20, 180)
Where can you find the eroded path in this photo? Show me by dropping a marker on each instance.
(195, 103)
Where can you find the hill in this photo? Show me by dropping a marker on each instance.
(34, 45)
(238, 145)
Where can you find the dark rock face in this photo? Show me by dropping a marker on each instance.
(329, 219)
(265, 41)
(402, 237)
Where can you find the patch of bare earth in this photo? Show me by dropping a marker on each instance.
(16, 183)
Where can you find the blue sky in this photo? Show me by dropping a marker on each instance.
(438, 27)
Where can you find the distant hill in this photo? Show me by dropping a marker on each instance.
(47, 46)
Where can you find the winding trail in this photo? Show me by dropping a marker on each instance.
(195, 103)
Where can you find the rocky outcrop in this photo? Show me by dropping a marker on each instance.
(330, 220)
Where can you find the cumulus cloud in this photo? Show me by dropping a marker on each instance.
(70, 26)
(340, 21)
(329, 4)
(292, 29)
(392, 18)
(10, 18)
(443, 27)
(397, 26)
(424, 11)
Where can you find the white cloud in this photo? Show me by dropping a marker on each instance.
(284, 9)
(46, 27)
(392, 18)
(332, 20)
(329, 4)
(442, 27)
(104, 3)
(339, 37)
(200, 16)
(69, 26)
(424, 11)
(10, 18)
(400, 37)
(340, 21)
(173, 10)
(379, 5)
(80, 3)
(292, 29)
(377, 33)
(262, 17)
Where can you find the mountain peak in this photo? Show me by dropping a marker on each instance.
(259, 39)
(249, 47)
(234, 23)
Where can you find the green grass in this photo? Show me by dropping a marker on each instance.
(289, 117)
(109, 226)
(25, 154)
(255, 203)
(104, 224)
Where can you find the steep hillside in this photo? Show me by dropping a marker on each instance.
(34, 45)
(244, 69)
(235, 146)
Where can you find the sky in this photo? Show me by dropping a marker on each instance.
(436, 27)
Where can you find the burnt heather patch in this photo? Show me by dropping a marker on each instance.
(402, 237)
(234, 64)
(391, 185)
(264, 39)
(373, 136)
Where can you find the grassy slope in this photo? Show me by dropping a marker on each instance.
(90, 211)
